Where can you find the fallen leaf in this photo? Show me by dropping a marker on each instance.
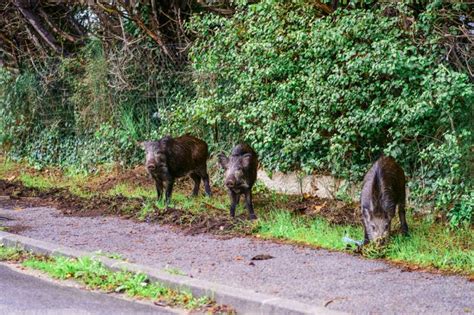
(262, 257)
(160, 304)
(317, 208)
(333, 300)
(238, 258)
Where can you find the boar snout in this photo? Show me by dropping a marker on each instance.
(230, 183)
(150, 167)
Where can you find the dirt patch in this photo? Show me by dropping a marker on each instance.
(335, 211)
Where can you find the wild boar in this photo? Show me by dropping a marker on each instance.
(383, 191)
(170, 158)
(240, 176)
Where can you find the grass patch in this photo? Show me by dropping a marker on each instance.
(10, 253)
(95, 276)
(281, 224)
(428, 245)
(433, 245)
(132, 192)
(39, 182)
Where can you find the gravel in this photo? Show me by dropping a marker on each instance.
(322, 278)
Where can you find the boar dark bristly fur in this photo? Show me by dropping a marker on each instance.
(383, 191)
(240, 175)
(170, 158)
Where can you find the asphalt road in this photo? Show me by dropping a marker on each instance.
(337, 280)
(21, 293)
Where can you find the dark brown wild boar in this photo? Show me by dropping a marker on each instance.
(240, 175)
(383, 191)
(170, 158)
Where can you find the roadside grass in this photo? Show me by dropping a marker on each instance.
(95, 276)
(109, 255)
(434, 245)
(132, 192)
(194, 206)
(429, 245)
(9, 253)
(174, 271)
(281, 224)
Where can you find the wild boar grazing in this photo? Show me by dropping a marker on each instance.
(240, 175)
(382, 192)
(170, 158)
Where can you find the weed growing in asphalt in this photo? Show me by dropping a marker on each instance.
(109, 255)
(10, 253)
(174, 271)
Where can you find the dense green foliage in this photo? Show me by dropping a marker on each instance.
(87, 110)
(330, 94)
(321, 94)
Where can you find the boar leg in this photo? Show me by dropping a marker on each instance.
(234, 202)
(197, 181)
(366, 236)
(159, 189)
(169, 190)
(207, 186)
(403, 220)
(205, 178)
(249, 204)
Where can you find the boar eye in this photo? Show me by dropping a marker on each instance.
(372, 226)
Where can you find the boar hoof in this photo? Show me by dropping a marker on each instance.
(252, 217)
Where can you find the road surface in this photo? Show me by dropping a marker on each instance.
(22, 293)
(337, 280)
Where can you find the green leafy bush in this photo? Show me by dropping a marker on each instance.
(331, 94)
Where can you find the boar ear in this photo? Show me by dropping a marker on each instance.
(141, 144)
(223, 160)
(246, 159)
(166, 140)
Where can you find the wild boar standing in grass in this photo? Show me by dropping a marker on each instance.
(240, 176)
(170, 158)
(383, 191)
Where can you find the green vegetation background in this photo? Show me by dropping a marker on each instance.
(311, 93)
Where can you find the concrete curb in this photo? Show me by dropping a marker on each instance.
(243, 300)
